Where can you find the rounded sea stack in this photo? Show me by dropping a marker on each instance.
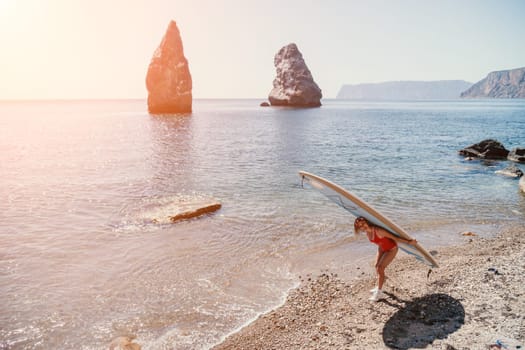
(293, 85)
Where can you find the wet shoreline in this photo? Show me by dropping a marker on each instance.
(477, 289)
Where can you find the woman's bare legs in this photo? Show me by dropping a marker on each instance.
(383, 259)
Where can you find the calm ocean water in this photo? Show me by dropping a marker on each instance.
(82, 262)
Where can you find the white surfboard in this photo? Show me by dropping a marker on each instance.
(358, 207)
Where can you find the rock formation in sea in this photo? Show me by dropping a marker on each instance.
(517, 155)
(510, 171)
(205, 209)
(404, 90)
(486, 149)
(174, 208)
(168, 79)
(501, 84)
(293, 85)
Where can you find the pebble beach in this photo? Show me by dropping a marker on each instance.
(474, 300)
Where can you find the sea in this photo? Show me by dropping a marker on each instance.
(85, 255)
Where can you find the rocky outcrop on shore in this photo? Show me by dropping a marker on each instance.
(404, 90)
(501, 84)
(486, 149)
(293, 85)
(472, 301)
(168, 79)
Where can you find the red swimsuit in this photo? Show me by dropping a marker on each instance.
(384, 243)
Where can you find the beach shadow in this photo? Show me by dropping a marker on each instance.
(423, 320)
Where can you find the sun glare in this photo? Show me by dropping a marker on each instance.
(5, 6)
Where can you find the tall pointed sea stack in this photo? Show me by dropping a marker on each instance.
(294, 85)
(169, 80)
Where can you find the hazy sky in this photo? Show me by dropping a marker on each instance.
(102, 48)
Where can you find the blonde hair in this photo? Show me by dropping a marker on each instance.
(357, 223)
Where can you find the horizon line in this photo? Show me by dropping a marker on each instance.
(60, 99)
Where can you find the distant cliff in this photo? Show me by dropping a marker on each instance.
(502, 84)
(405, 90)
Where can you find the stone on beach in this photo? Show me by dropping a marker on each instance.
(293, 85)
(522, 184)
(469, 233)
(124, 343)
(168, 79)
(486, 149)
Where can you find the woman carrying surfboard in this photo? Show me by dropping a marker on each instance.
(386, 250)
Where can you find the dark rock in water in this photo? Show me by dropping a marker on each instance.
(510, 171)
(265, 104)
(501, 84)
(294, 85)
(517, 155)
(168, 79)
(486, 149)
